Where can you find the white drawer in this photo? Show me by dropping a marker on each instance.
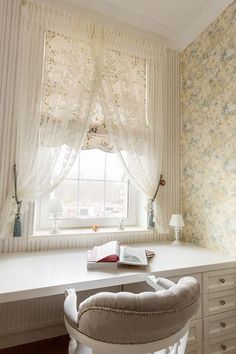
(221, 345)
(195, 332)
(221, 324)
(219, 280)
(219, 302)
(194, 349)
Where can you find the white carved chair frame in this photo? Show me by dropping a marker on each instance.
(82, 344)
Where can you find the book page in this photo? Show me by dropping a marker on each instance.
(108, 252)
(133, 256)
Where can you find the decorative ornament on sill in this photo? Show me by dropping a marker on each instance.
(95, 228)
(17, 223)
(150, 209)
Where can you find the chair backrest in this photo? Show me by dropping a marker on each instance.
(126, 318)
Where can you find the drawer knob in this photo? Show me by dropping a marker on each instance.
(223, 346)
(222, 302)
(223, 324)
(222, 280)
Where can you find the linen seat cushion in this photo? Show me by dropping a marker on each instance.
(126, 318)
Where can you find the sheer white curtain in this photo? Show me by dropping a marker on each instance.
(66, 68)
(132, 98)
(56, 81)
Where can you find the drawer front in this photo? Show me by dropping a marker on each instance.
(219, 280)
(194, 349)
(225, 344)
(221, 324)
(195, 332)
(219, 302)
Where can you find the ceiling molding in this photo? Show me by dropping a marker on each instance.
(207, 14)
(192, 17)
(131, 17)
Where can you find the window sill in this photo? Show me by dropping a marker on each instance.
(83, 232)
(78, 239)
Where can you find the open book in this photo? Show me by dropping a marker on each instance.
(112, 253)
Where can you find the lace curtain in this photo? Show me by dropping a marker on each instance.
(131, 94)
(81, 85)
(51, 104)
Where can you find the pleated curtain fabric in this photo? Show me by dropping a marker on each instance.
(65, 67)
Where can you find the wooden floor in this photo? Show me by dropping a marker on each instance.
(57, 345)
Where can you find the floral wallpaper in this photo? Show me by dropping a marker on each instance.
(208, 137)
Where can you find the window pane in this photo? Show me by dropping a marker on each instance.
(91, 199)
(92, 164)
(116, 199)
(67, 193)
(114, 172)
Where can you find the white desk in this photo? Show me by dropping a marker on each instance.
(37, 274)
(40, 274)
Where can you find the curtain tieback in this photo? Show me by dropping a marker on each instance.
(162, 182)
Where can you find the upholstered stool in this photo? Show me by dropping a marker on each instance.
(126, 323)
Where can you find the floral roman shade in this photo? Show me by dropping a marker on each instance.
(67, 76)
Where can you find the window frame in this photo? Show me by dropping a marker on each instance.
(42, 221)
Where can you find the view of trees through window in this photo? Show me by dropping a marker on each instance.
(96, 187)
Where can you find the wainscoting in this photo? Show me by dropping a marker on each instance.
(81, 240)
(36, 319)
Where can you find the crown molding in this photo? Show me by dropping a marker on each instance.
(201, 20)
(174, 37)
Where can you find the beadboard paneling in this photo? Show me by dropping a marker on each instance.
(9, 29)
(35, 319)
(43, 243)
(170, 194)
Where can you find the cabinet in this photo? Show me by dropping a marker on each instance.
(213, 327)
(219, 311)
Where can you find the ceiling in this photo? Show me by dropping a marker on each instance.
(176, 22)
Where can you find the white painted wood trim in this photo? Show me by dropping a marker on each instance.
(102, 347)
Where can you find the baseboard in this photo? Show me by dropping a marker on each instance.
(32, 336)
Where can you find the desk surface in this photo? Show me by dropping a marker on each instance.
(36, 274)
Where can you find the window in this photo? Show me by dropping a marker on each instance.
(96, 191)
